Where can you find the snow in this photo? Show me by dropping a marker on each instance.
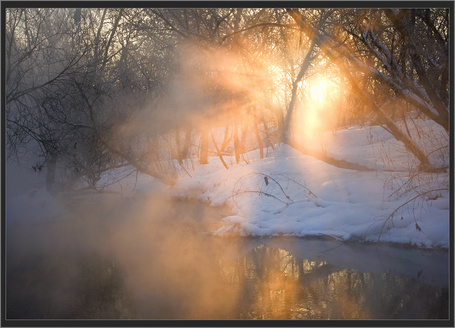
(324, 199)
(292, 194)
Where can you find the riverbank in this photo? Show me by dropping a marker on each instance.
(289, 193)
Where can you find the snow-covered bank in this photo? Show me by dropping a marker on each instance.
(290, 193)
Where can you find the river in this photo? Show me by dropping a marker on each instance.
(152, 258)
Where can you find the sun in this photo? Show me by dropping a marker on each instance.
(316, 113)
(319, 90)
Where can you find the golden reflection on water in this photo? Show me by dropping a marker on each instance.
(281, 286)
(151, 267)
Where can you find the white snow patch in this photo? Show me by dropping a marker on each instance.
(289, 193)
(307, 197)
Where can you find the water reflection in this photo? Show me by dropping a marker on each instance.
(282, 286)
(133, 265)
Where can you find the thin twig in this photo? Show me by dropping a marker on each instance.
(404, 204)
(269, 177)
(260, 193)
(301, 185)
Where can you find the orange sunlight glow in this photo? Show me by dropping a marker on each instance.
(319, 89)
(316, 113)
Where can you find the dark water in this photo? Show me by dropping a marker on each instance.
(149, 259)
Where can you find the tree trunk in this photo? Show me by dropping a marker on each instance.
(243, 139)
(298, 18)
(186, 144)
(285, 137)
(204, 154)
(225, 139)
(280, 122)
(258, 138)
(268, 140)
(218, 150)
(236, 144)
(113, 31)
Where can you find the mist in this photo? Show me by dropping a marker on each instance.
(145, 258)
(151, 258)
(156, 157)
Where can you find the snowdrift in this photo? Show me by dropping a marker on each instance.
(292, 194)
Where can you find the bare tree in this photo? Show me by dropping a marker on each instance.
(371, 52)
(98, 89)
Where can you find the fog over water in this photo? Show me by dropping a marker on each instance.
(151, 258)
(123, 126)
